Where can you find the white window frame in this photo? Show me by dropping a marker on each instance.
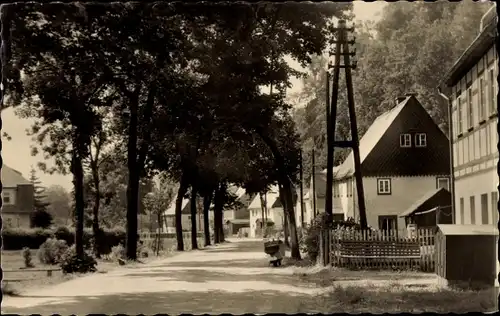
(482, 101)
(405, 140)
(460, 117)
(441, 179)
(384, 186)
(9, 196)
(470, 110)
(420, 140)
(491, 92)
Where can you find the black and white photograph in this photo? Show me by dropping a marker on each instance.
(249, 157)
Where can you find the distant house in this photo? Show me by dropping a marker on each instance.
(320, 194)
(274, 211)
(17, 197)
(239, 217)
(404, 155)
(169, 217)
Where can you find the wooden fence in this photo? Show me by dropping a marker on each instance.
(382, 249)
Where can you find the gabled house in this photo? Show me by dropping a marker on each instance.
(404, 155)
(17, 197)
(238, 217)
(275, 213)
(169, 217)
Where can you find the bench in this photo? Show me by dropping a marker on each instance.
(49, 271)
(376, 253)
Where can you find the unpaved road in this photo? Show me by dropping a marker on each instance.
(231, 278)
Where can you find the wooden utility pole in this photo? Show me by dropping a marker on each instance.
(313, 195)
(301, 192)
(342, 49)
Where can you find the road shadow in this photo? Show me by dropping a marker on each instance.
(175, 303)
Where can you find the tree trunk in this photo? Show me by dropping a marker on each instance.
(290, 215)
(178, 211)
(286, 231)
(285, 182)
(264, 219)
(159, 245)
(95, 212)
(133, 181)
(218, 206)
(207, 200)
(194, 213)
(77, 170)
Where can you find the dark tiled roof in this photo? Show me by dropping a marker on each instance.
(370, 139)
(12, 178)
(427, 196)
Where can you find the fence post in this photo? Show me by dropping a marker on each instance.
(320, 247)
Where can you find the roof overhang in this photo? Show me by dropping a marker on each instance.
(471, 55)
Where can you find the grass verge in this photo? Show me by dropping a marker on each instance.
(402, 298)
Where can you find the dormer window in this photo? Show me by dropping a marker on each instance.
(405, 140)
(420, 140)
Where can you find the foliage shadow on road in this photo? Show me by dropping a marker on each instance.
(213, 302)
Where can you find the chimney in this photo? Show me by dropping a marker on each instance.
(400, 99)
(488, 17)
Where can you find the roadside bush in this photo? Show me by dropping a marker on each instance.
(309, 242)
(118, 252)
(51, 251)
(33, 238)
(28, 263)
(18, 238)
(70, 263)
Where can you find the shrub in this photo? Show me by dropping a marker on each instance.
(64, 233)
(27, 258)
(51, 251)
(33, 238)
(309, 242)
(18, 238)
(70, 263)
(41, 218)
(118, 252)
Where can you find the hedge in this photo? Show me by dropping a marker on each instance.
(17, 239)
(33, 238)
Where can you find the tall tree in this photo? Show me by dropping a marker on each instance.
(39, 192)
(157, 201)
(56, 89)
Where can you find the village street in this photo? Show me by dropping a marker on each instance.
(230, 278)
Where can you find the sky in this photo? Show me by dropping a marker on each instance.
(16, 153)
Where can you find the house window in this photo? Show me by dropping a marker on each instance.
(470, 114)
(349, 187)
(484, 209)
(384, 186)
(462, 211)
(443, 182)
(494, 207)
(405, 140)
(472, 210)
(482, 100)
(492, 96)
(7, 198)
(460, 116)
(420, 140)
(388, 222)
